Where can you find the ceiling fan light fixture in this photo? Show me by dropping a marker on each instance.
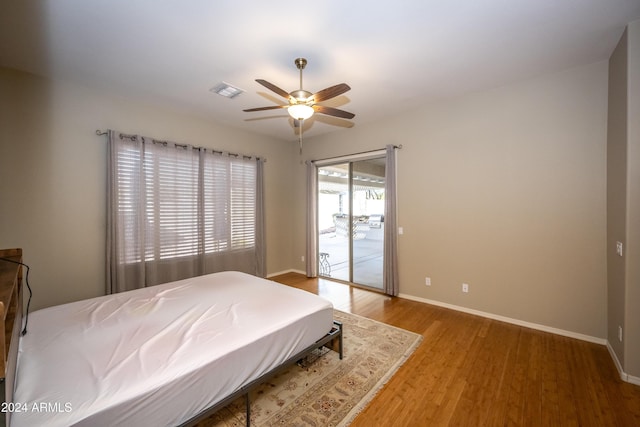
(300, 111)
(303, 104)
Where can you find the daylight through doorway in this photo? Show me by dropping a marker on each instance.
(351, 221)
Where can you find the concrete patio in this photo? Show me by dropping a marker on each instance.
(367, 257)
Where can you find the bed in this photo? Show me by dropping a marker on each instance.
(169, 354)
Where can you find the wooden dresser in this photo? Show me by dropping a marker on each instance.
(11, 314)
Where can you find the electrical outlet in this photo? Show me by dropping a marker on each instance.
(302, 258)
(619, 248)
(427, 281)
(620, 333)
(465, 287)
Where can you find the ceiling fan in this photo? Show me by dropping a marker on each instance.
(302, 104)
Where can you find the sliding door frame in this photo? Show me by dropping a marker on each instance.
(349, 160)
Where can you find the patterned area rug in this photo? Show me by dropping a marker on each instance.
(327, 391)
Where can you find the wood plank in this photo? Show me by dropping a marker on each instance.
(10, 285)
(475, 371)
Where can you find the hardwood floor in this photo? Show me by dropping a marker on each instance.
(473, 371)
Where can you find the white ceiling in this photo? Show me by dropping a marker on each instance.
(395, 56)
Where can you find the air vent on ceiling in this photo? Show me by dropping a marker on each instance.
(226, 90)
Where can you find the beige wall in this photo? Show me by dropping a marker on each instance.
(617, 194)
(504, 190)
(623, 202)
(632, 313)
(53, 174)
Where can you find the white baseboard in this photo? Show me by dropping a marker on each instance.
(614, 356)
(518, 322)
(623, 375)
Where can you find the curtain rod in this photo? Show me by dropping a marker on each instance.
(155, 141)
(399, 147)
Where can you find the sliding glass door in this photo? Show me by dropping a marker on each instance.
(334, 213)
(367, 189)
(351, 221)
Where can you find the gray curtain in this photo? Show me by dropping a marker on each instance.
(170, 215)
(311, 256)
(390, 271)
(114, 273)
(261, 253)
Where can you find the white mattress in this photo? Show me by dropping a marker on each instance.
(160, 355)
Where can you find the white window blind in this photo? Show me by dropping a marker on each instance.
(176, 201)
(229, 203)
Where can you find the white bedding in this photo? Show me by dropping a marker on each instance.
(159, 355)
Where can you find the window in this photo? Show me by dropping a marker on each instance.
(193, 202)
(177, 211)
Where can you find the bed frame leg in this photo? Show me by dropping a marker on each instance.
(247, 404)
(339, 326)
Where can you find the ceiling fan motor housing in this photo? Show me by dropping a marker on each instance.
(301, 95)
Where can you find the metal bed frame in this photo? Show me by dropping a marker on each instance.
(330, 337)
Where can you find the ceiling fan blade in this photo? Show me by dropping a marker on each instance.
(333, 112)
(274, 88)
(273, 107)
(331, 92)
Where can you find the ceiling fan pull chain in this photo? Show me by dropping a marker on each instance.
(301, 127)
